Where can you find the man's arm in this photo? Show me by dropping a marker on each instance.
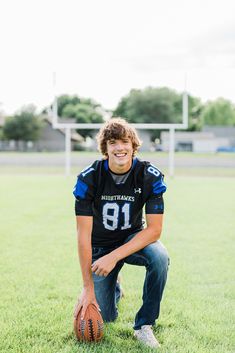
(84, 229)
(150, 234)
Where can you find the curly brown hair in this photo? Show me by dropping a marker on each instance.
(117, 129)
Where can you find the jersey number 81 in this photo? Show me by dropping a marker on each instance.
(110, 221)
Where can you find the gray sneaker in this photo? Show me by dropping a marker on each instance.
(146, 336)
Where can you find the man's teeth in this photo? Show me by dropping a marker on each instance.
(120, 154)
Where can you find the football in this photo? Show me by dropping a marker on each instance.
(91, 328)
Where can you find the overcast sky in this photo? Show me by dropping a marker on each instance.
(103, 48)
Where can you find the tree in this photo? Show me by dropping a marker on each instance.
(23, 126)
(157, 105)
(219, 112)
(64, 100)
(151, 105)
(83, 110)
(84, 114)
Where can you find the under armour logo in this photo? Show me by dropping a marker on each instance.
(137, 190)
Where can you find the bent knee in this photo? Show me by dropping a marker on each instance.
(158, 256)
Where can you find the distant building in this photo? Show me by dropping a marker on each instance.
(51, 140)
(54, 139)
(147, 144)
(200, 141)
(220, 131)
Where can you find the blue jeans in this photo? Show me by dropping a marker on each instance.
(107, 291)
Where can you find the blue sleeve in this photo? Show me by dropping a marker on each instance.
(157, 186)
(84, 192)
(155, 205)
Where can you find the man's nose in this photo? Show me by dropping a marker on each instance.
(119, 145)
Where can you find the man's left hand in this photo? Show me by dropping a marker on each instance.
(104, 265)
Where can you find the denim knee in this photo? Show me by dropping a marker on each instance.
(158, 258)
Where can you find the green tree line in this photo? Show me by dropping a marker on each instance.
(149, 105)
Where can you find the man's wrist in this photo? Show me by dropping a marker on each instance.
(115, 254)
(88, 286)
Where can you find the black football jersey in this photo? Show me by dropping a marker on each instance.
(117, 208)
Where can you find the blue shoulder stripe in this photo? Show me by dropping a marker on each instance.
(134, 162)
(106, 165)
(80, 189)
(159, 187)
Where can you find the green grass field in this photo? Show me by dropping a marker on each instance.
(40, 277)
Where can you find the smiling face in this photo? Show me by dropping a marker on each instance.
(120, 153)
(118, 141)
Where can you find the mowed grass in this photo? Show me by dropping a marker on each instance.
(40, 276)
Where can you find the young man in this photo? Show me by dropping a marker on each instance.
(110, 196)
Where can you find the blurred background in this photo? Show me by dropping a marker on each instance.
(129, 59)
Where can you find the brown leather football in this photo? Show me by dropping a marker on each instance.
(91, 328)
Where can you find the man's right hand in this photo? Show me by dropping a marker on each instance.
(87, 297)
